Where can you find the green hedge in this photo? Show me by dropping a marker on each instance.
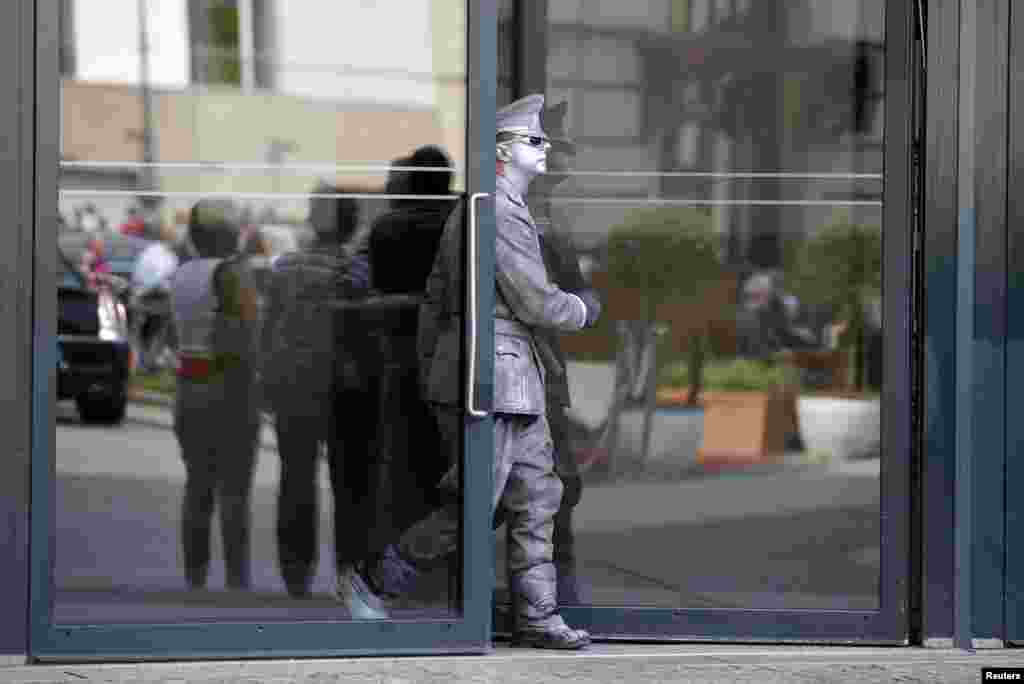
(731, 375)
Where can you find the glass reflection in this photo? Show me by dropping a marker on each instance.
(721, 188)
(250, 194)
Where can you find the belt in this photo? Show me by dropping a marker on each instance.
(197, 367)
(509, 326)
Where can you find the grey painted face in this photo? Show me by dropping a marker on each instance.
(523, 163)
(527, 159)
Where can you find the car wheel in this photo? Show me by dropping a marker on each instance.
(108, 410)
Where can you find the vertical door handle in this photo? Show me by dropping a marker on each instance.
(471, 305)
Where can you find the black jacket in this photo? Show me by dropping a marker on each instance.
(403, 243)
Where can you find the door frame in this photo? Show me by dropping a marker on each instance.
(469, 634)
(1013, 604)
(889, 624)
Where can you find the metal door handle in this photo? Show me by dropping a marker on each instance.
(471, 305)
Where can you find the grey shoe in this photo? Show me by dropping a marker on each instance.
(358, 598)
(551, 632)
(563, 638)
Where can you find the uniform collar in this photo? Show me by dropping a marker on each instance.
(505, 188)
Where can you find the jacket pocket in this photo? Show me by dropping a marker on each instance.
(512, 366)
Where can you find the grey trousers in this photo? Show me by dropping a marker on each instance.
(217, 427)
(528, 491)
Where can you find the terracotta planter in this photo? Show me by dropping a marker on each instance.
(742, 428)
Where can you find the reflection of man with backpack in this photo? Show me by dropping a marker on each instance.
(314, 404)
(216, 417)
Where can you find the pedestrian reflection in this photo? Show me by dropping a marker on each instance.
(320, 398)
(215, 418)
(563, 267)
(404, 240)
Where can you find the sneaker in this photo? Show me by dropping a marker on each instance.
(358, 598)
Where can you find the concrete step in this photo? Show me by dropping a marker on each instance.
(601, 663)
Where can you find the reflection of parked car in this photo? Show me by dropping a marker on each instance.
(93, 354)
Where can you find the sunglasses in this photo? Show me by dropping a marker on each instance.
(536, 141)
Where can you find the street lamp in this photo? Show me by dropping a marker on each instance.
(147, 174)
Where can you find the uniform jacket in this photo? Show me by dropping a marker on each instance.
(525, 301)
(564, 270)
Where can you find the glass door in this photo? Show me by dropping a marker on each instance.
(733, 436)
(240, 202)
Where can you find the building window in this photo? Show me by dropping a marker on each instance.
(231, 42)
(602, 78)
(214, 38)
(507, 43)
(67, 39)
(699, 15)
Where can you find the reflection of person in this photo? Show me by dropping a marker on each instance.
(134, 224)
(526, 486)
(152, 332)
(89, 220)
(215, 417)
(94, 265)
(312, 407)
(765, 320)
(403, 241)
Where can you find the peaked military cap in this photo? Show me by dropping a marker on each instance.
(522, 116)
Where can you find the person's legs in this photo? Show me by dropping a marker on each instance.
(528, 489)
(196, 514)
(237, 458)
(530, 498)
(298, 444)
(197, 506)
(421, 547)
(563, 539)
(569, 589)
(352, 473)
(434, 537)
(200, 482)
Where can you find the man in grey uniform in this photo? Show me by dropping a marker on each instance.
(563, 267)
(526, 486)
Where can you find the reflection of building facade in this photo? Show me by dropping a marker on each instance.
(263, 84)
(672, 91)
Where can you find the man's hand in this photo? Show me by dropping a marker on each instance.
(593, 305)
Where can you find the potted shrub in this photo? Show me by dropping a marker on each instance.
(665, 256)
(841, 267)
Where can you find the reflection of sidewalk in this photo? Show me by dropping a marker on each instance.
(793, 539)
